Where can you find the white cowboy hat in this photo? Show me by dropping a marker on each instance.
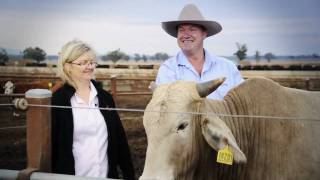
(190, 14)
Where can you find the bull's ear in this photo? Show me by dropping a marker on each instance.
(206, 88)
(218, 135)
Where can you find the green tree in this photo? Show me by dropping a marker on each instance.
(315, 55)
(115, 56)
(161, 56)
(126, 57)
(137, 57)
(3, 56)
(241, 52)
(269, 56)
(34, 53)
(144, 57)
(152, 58)
(257, 56)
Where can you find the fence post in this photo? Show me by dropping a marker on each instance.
(39, 130)
(114, 87)
(307, 84)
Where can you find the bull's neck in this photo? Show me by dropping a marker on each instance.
(242, 127)
(205, 156)
(243, 138)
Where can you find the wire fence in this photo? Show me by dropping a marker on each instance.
(12, 127)
(304, 119)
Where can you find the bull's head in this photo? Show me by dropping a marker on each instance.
(177, 141)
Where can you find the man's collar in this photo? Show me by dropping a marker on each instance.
(182, 60)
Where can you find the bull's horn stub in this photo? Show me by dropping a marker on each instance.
(206, 88)
(152, 86)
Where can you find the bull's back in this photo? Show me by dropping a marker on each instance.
(306, 103)
(292, 143)
(278, 148)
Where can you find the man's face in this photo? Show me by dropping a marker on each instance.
(190, 37)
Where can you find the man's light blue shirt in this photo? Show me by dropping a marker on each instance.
(179, 68)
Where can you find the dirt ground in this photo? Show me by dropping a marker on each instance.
(13, 141)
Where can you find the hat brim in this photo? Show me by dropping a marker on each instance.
(212, 27)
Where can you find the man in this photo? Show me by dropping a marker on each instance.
(193, 62)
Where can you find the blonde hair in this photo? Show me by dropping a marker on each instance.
(69, 53)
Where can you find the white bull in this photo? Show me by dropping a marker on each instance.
(184, 146)
(8, 87)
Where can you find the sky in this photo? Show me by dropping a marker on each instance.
(283, 27)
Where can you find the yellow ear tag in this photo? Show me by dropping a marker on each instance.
(49, 85)
(225, 156)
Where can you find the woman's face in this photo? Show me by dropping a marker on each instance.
(82, 69)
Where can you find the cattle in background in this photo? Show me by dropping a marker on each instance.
(185, 146)
(21, 87)
(8, 87)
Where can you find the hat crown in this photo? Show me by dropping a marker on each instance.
(190, 12)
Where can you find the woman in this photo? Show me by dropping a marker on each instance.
(86, 142)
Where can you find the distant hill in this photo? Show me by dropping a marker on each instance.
(17, 54)
(52, 57)
(313, 57)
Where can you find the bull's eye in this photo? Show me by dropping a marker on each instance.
(182, 126)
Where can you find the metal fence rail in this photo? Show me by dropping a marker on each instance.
(6, 174)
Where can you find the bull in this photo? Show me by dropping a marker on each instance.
(8, 87)
(272, 132)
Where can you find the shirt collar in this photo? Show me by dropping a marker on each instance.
(93, 92)
(208, 60)
(182, 60)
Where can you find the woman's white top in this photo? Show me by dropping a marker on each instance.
(90, 137)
